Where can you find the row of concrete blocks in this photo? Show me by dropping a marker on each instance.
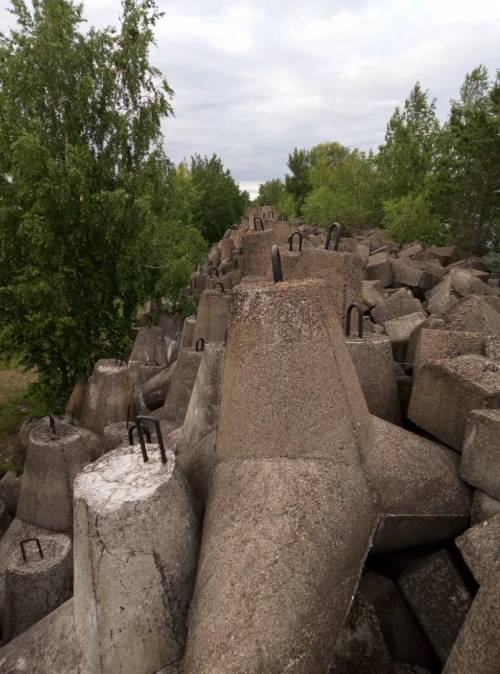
(248, 419)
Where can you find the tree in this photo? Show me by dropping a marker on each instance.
(406, 158)
(219, 203)
(409, 218)
(81, 173)
(466, 184)
(298, 183)
(346, 189)
(273, 193)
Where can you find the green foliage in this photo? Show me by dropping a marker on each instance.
(218, 201)
(298, 184)
(345, 190)
(406, 158)
(81, 173)
(409, 218)
(273, 193)
(466, 181)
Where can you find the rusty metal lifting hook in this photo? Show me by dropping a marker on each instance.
(338, 234)
(350, 309)
(291, 238)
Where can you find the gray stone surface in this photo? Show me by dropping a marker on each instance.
(480, 547)
(52, 463)
(438, 597)
(477, 648)
(480, 465)
(155, 390)
(447, 390)
(108, 396)
(212, 316)
(373, 294)
(196, 446)
(400, 330)
(374, 363)
(179, 393)
(442, 298)
(283, 539)
(37, 585)
(404, 636)
(436, 344)
(49, 647)
(420, 496)
(136, 542)
(483, 507)
(398, 304)
(361, 646)
(379, 269)
(475, 314)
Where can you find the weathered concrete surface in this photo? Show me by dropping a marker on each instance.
(150, 345)
(400, 303)
(136, 543)
(447, 390)
(49, 647)
(404, 636)
(379, 269)
(179, 393)
(480, 465)
(108, 396)
(288, 484)
(10, 486)
(483, 507)
(400, 330)
(9, 544)
(342, 271)
(36, 586)
(212, 316)
(5, 518)
(439, 599)
(188, 332)
(289, 384)
(155, 390)
(372, 357)
(477, 648)
(361, 646)
(52, 463)
(420, 496)
(257, 254)
(475, 314)
(196, 447)
(436, 344)
(115, 435)
(442, 298)
(276, 545)
(480, 547)
(373, 294)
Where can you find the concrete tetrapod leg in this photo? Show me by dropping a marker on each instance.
(196, 447)
(374, 363)
(50, 646)
(421, 498)
(213, 313)
(477, 647)
(257, 254)
(136, 545)
(55, 456)
(37, 581)
(179, 393)
(108, 396)
(342, 271)
(288, 485)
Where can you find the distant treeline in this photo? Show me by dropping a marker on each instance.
(429, 181)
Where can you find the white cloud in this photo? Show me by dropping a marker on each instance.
(253, 79)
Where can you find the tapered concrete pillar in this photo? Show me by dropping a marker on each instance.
(136, 544)
(342, 271)
(108, 396)
(212, 317)
(290, 516)
(55, 456)
(179, 393)
(257, 254)
(39, 578)
(196, 445)
(188, 332)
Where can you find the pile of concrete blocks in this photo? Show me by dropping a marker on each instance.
(302, 477)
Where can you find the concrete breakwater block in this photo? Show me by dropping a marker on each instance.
(108, 396)
(38, 579)
(136, 546)
(256, 248)
(181, 386)
(288, 484)
(56, 454)
(212, 316)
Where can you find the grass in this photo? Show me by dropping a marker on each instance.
(17, 403)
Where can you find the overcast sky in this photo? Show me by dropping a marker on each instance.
(253, 79)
